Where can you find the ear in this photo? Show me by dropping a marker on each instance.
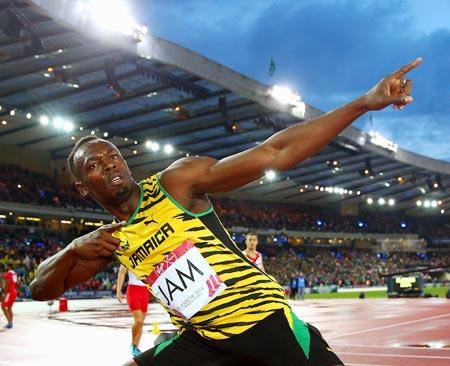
(81, 188)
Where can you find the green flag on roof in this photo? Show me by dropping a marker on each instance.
(272, 67)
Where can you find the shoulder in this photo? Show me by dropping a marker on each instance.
(186, 165)
(181, 178)
(185, 172)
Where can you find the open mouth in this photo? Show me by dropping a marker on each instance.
(116, 181)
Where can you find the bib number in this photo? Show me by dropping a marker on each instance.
(184, 281)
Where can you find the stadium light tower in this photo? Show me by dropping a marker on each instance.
(113, 16)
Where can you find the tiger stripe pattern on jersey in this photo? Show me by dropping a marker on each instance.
(160, 224)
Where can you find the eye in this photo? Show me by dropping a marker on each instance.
(93, 166)
(115, 157)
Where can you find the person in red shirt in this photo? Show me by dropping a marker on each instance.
(9, 294)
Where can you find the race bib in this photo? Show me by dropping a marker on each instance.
(184, 281)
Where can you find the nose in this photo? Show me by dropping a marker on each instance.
(110, 166)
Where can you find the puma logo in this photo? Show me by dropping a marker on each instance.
(148, 222)
(124, 246)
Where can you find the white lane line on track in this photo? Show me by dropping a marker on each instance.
(366, 364)
(388, 326)
(12, 334)
(391, 355)
(388, 347)
(19, 348)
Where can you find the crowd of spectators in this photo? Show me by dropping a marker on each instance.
(24, 249)
(284, 216)
(25, 186)
(345, 267)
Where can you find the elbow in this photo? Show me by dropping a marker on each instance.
(37, 292)
(34, 291)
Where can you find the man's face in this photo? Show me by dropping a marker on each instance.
(251, 241)
(102, 172)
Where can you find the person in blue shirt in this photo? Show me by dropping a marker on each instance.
(301, 284)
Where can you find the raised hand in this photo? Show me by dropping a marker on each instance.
(98, 243)
(393, 89)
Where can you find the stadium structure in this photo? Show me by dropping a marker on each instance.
(63, 77)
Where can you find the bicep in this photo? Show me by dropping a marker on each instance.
(208, 175)
(84, 269)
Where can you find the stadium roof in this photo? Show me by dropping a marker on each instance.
(56, 63)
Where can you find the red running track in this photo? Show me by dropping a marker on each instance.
(375, 332)
(368, 332)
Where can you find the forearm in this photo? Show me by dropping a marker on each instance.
(80, 260)
(121, 278)
(296, 143)
(51, 275)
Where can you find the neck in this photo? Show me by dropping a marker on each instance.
(124, 210)
(251, 252)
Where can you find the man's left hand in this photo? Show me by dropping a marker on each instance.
(393, 89)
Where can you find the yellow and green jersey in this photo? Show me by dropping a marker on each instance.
(194, 269)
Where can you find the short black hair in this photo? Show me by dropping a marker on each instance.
(70, 158)
(251, 233)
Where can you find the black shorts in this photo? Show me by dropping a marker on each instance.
(270, 342)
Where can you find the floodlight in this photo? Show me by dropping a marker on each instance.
(154, 146)
(114, 16)
(271, 175)
(284, 95)
(168, 149)
(44, 120)
(57, 122)
(67, 126)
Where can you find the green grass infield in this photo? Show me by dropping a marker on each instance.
(440, 291)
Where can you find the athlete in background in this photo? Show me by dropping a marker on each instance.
(138, 297)
(9, 294)
(251, 242)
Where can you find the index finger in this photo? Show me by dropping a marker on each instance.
(110, 228)
(407, 68)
